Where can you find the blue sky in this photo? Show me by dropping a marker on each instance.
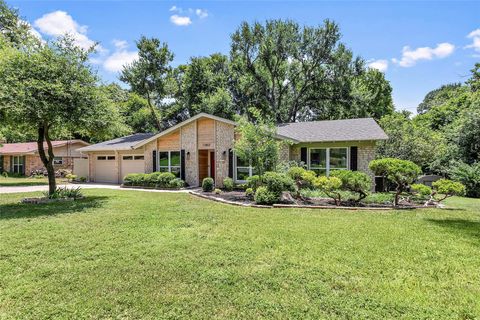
(419, 45)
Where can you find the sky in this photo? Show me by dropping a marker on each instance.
(418, 45)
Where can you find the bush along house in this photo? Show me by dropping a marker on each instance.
(202, 147)
(23, 158)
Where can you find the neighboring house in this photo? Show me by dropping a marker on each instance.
(202, 146)
(23, 158)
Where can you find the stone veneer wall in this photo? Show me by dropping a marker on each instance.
(284, 154)
(148, 154)
(366, 154)
(224, 137)
(188, 140)
(6, 163)
(295, 153)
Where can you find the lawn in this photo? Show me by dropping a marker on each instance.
(131, 254)
(24, 181)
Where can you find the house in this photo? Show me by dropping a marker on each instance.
(23, 158)
(202, 146)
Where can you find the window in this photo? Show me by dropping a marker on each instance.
(105, 157)
(322, 161)
(18, 164)
(132, 158)
(58, 160)
(127, 158)
(139, 157)
(169, 161)
(243, 170)
(110, 157)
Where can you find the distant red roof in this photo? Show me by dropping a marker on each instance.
(31, 147)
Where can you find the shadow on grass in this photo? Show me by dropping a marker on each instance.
(23, 210)
(461, 226)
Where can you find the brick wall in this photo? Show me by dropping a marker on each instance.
(224, 137)
(284, 154)
(365, 155)
(189, 144)
(149, 147)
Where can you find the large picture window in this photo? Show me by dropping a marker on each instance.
(243, 170)
(324, 160)
(169, 161)
(18, 164)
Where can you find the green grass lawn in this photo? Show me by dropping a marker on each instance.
(25, 181)
(130, 254)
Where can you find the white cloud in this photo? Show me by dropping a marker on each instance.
(380, 65)
(410, 57)
(201, 13)
(59, 23)
(475, 36)
(180, 20)
(173, 8)
(121, 57)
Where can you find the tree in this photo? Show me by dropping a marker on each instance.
(438, 97)
(13, 29)
(372, 95)
(401, 172)
(51, 88)
(474, 81)
(292, 73)
(354, 181)
(468, 175)
(330, 186)
(257, 144)
(147, 76)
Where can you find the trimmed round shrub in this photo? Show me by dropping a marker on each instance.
(134, 179)
(265, 196)
(421, 189)
(249, 193)
(207, 184)
(448, 188)
(164, 178)
(228, 184)
(217, 191)
(278, 182)
(254, 182)
(176, 183)
(331, 186)
(354, 181)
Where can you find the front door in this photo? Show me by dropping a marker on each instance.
(203, 165)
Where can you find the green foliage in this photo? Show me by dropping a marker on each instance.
(302, 178)
(71, 177)
(257, 144)
(438, 97)
(16, 31)
(277, 182)
(134, 179)
(164, 179)
(401, 172)
(228, 184)
(147, 75)
(469, 176)
(249, 193)
(65, 192)
(207, 184)
(354, 181)
(448, 188)
(264, 196)
(176, 183)
(421, 189)
(217, 191)
(254, 182)
(329, 185)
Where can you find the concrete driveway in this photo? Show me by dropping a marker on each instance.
(82, 185)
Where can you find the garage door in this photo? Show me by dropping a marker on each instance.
(132, 164)
(105, 169)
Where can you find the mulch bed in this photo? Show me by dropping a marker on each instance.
(239, 198)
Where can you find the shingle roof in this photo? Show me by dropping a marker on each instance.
(30, 147)
(333, 130)
(123, 143)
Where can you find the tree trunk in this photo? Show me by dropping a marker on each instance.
(47, 161)
(154, 114)
(397, 195)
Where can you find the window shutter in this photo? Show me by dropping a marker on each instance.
(354, 158)
(154, 160)
(230, 163)
(303, 155)
(182, 164)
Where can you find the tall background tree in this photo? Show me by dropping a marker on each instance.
(148, 75)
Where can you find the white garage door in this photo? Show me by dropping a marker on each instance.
(105, 169)
(132, 164)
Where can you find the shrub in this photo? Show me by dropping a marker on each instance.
(5, 174)
(254, 182)
(176, 183)
(303, 178)
(401, 172)
(70, 177)
(329, 185)
(448, 188)
(265, 196)
(354, 181)
(277, 182)
(164, 178)
(151, 179)
(133, 179)
(249, 193)
(217, 191)
(207, 184)
(469, 176)
(82, 179)
(421, 189)
(228, 184)
(64, 192)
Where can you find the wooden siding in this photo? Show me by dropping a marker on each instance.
(202, 164)
(206, 133)
(170, 142)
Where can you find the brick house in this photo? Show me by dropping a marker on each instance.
(202, 147)
(23, 158)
